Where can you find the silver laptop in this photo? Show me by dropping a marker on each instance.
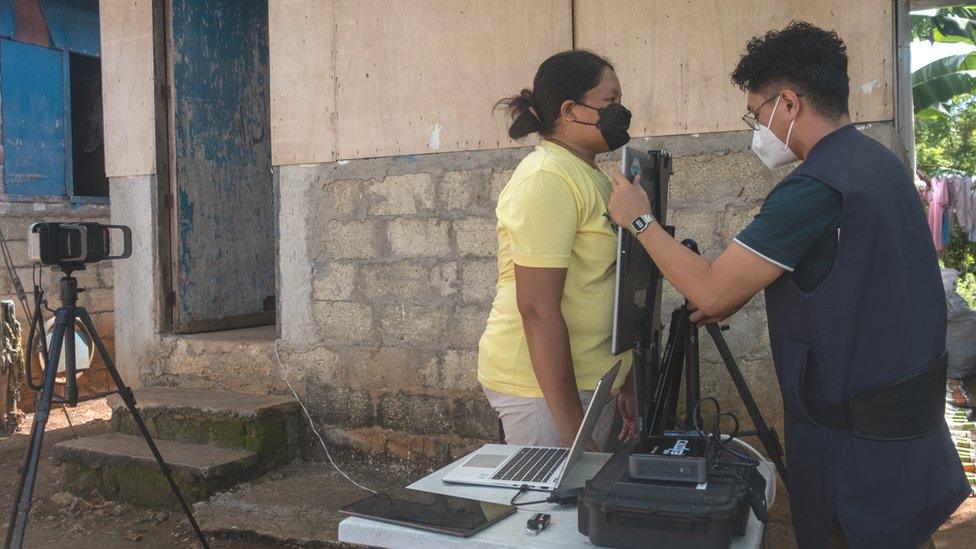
(538, 468)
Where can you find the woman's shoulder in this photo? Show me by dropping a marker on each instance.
(542, 166)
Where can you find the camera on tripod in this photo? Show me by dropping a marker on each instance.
(69, 247)
(73, 244)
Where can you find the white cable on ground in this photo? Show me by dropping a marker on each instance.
(311, 423)
(762, 459)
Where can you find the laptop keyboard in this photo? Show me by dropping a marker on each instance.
(532, 465)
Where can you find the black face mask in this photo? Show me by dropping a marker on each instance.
(613, 123)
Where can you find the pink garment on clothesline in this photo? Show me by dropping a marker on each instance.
(938, 197)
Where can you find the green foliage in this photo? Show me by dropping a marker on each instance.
(949, 77)
(947, 144)
(943, 79)
(956, 24)
(945, 121)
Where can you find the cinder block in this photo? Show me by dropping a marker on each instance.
(340, 406)
(468, 326)
(474, 417)
(476, 236)
(334, 281)
(419, 238)
(498, 182)
(463, 193)
(419, 326)
(353, 239)
(444, 278)
(699, 225)
(404, 280)
(384, 367)
(459, 370)
(344, 199)
(97, 300)
(401, 195)
(478, 280)
(712, 181)
(345, 321)
(414, 413)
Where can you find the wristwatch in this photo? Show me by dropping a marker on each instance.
(641, 223)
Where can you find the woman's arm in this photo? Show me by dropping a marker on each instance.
(539, 294)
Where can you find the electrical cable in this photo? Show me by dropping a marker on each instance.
(715, 437)
(311, 423)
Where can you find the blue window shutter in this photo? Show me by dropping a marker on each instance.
(33, 119)
(7, 18)
(73, 25)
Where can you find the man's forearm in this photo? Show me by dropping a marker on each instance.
(549, 349)
(688, 272)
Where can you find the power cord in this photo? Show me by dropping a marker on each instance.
(311, 423)
(559, 497)
(716, 438)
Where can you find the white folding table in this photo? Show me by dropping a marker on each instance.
(510, 532)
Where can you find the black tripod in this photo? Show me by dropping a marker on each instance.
(64, 334)
(681, 351)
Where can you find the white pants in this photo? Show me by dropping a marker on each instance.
(528, 422)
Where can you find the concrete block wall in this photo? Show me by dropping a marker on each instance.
(387, 272)
(97, 280)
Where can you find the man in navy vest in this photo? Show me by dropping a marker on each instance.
(854, 302)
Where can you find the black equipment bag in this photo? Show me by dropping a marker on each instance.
(618, 511)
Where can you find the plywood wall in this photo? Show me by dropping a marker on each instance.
(363, 78)
(421, 76)
(674, 57)
(303, 117)
(127, 87)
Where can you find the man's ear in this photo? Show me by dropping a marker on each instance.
(791, 101)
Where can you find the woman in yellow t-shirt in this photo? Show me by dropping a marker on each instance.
(547, 340)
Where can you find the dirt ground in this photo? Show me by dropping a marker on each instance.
(61, 520)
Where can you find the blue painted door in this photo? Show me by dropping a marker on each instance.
(225, 213)
(31, 83)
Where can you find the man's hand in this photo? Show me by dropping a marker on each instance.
(628, 201)
(698, 316)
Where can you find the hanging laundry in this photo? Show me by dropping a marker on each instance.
(961, 199)
(947, 215)
(963, 190)
(938, 197)
(970, 190)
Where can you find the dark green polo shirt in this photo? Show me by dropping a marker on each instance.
(797, 229)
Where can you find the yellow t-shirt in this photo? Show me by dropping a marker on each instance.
(550, 214)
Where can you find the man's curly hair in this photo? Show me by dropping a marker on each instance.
(812, 60)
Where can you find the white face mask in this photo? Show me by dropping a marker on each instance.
(773, 152)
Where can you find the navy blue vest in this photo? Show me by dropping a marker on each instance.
(878, 316)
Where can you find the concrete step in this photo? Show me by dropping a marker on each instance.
(269, 426)
(121, 467)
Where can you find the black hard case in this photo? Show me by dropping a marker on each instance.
(618, 511)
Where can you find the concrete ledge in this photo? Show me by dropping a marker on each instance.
(269, 426)
(122, 467)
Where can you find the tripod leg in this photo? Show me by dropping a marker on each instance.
(42, 409)
(766, 435)
(669, 376)
(692, 376)
(130, 403)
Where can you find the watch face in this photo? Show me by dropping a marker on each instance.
(639, 224)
